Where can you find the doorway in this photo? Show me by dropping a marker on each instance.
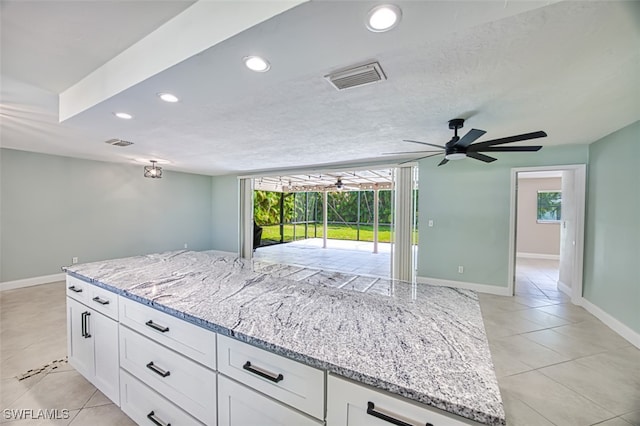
(351, 221)
(547, 231)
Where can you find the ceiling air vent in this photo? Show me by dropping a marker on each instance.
(356, 76)
(118, 142)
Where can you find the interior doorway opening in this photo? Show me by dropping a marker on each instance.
(547, 231)
(539, 218)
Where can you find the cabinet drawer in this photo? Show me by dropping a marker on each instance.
(351, 404)
(190, 340)
(181, 380)
(103, 301)
(78, 289)
(240, 406)
(288, 381)
(143, 404)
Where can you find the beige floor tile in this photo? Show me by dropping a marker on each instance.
(104, 415)
(98, 399)
(573, 347)
(633, 417)
(534, 302)
(525, 351)
(12, 389)
(568, 311)
(491, 303)
(67, 390)
(594, 330)
(537, 316)
(618, 421)
(555, 402)
(520, 414)
(611, 378)
(53, 418)
(510, 321)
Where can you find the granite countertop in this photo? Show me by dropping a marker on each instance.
(423, 342)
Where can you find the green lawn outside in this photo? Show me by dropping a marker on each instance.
(337, 232)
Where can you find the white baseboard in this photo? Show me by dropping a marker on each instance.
(482, 288)
(28, 282)
(538, 256)
(564, 288)
(623, 330)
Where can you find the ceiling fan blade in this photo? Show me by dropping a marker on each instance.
(443, 162)
(517, 138)
(409, 152)
(481, 157)
(424, 143)
(421, 158)
(511, 149)
(470, 137)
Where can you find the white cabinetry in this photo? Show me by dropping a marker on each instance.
(240, 406)
(351, 404)
(92, 340)
(167, 367)
(288, 381)
(147, 407)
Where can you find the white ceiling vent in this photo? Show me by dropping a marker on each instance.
(356, 76)
(118, 142)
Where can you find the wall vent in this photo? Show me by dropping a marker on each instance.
(118, 142)
(356, 76)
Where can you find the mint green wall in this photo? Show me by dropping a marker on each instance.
(612, 234)
(225, 213)
(54, 208)
(469, 203)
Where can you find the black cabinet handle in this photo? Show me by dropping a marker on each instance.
(262, 373)
(159, 371)
(75, 289)
(100, 301)
(155, 326)
(85, 324)
(156, 421)
(371, 411)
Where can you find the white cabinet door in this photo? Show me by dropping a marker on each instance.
(92, 346)
(79, 340)
(241, 406)
(106, 371)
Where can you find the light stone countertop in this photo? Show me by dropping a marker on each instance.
(426, 343)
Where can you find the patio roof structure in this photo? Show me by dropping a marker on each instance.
(357, 180)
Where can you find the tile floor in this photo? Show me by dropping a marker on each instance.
(340, 255)
(556, 364)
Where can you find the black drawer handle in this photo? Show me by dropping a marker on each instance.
(75, 289)
(159, 371)
(100, 301)
(155, 326)
(85, 324)
(156, 421)
(371, 411)
(263, 373)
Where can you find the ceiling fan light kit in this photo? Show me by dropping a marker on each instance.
(458, 148)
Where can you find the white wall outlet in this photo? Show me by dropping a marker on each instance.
(74, 260)
(460, 269)
(186, 245)
(430, 224)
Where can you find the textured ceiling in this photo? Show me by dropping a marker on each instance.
(568, 68)
(53, 44)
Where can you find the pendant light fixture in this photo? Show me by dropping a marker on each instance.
(153, 171)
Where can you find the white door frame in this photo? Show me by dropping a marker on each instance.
(580, 174)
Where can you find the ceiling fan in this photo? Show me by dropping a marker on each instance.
(339, 185)
(458, 148)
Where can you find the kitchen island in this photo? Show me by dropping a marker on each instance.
(420, 342)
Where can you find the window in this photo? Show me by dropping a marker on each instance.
(549, 206)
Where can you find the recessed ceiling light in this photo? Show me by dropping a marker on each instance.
(383, 18)
(168, 97)
(256, 63)
(123, 115)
